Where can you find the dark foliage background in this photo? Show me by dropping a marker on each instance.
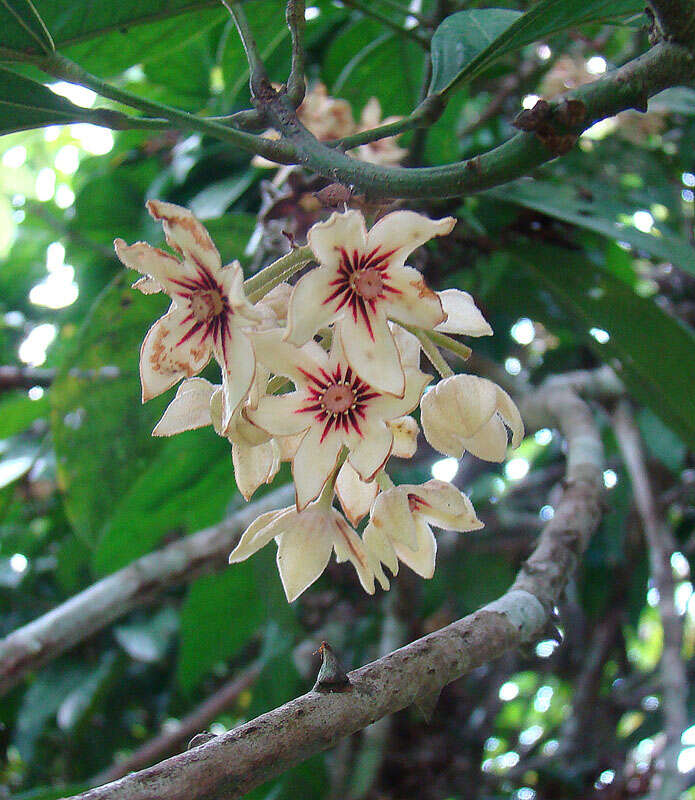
(589, 263)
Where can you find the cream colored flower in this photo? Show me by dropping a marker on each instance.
(386, 151)
(361, 283)
(305, 541)
(332, 407)
(399, 526)
(465, 412)
(209, 313)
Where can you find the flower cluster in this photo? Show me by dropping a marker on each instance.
(323, 374)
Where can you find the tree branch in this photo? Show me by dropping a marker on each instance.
(47, 637)
(661, 546)
(296, 22)
(233, 764)
(675, 20)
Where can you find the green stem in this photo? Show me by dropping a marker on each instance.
(429, 348)
(61, 67)
(258, 77)
(450, 344)
(262, 282)
(296, 22)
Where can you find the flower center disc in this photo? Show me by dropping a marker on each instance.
(338, 398)
(206, 305)
(368, 283)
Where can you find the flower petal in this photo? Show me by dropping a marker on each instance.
(443, 505)
(185, 234)
(379, 547)
(415, 303)
(463, 316)
(279, 414)
(374, 357)
(405, 430)
(372, 452)
(408, 345)
(304, 549)
(171, 351)
(349, 547)
(391, 515)
(490, 442)
(313, 463)
(346, 230)
(388, 407)
(511, 416)
(235, 355)
(309, 307)
(421, 558)
(158, 267)
(231, 281)
(405, 231)
(262, 530)
(356, 496)
(284, 358)
(254, 466)
(278, 299)
(190, 409)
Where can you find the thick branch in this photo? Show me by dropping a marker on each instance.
(629, 87)
(45, 638)
(233, 764)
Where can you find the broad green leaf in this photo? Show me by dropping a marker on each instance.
(22, 15)
(469, 41)
(222, 612)
(216, 198)
(651, 351)
(28, 104)
(596, 212)
(18, 412)
(93, 34)
(149, 640)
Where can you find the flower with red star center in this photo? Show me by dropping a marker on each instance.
(337, 401)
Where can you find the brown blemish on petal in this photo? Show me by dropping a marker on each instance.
(423, 290)
(186, 221)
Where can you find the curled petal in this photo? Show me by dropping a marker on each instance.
(158, 267)
(190, 409)
(405, 231)
(349, 547)
(405, 430)
(379, 548)
(261, 531)
(346, 230)
(147, 285)
(392, 516)
(231, 280)
(511, 416)
(185, 234)
(254, 466)
(463, 316)
(356, 496)
(443, 505)
(171, 350)
(490, 442)
(408, 345)
(278, 300)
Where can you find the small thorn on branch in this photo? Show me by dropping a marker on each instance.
(332, 676)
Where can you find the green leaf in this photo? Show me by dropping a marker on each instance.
(23, 17)
(597, 212)
(18, 412)
(469, 41)
(149, 640)
(222, 612)
(651, 351)
(28, 104)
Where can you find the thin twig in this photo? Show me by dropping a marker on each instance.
(296, 22)
(669, 781)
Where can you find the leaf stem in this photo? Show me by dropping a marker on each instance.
(296, 22)
(430, 349)
(258, 285)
